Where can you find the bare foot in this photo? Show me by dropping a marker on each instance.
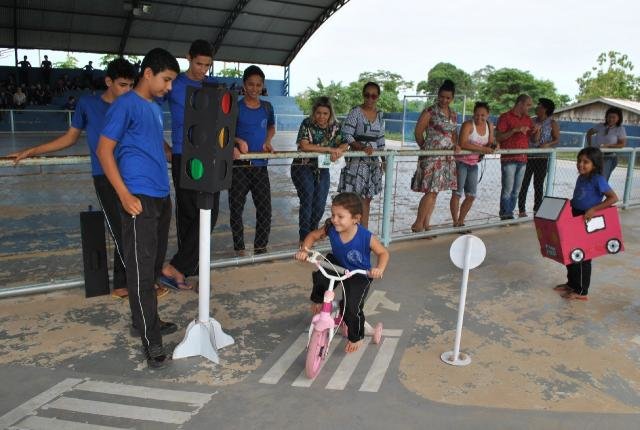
(562, 288)
(575, 296)
(352, 346)
(316, 308)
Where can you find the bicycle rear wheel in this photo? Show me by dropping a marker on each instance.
(316, 352)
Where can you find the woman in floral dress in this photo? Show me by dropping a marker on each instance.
(363, 130)
(435, 173)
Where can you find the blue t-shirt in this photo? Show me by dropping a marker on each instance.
(89, 116)
(252, 126)
(176, 99)
(136, 124)
(589, 192)
(355, 254)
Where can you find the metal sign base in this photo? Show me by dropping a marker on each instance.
(463, 359)
(203, 338)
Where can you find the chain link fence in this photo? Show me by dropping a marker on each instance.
(40, 240)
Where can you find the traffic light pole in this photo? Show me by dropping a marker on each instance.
(204, 336)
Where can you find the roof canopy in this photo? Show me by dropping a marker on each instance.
(247, 31)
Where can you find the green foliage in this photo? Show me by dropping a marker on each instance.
(70, 62)
(107, 58)
(442, 71)
(612, 77)
(346, 97)
(230, 73)
(501, 88)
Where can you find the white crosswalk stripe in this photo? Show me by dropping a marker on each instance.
(295, 356)
(67, 396)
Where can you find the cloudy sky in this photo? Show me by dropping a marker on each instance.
(553, 39)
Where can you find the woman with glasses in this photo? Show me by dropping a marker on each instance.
(610, 134)
(363, 130)
(320, 132)
(435, 173)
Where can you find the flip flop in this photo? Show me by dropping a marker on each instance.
(122, 295)
(174, 284)
(161, 291)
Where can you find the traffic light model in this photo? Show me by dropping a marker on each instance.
(210, 116)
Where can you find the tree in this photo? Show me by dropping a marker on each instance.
(70, 62)
(612, 77)
(501, 88)
(346, 97)
(442, 71)
(230, 73)
(107, 58)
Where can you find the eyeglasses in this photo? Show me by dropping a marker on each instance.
(372, 96)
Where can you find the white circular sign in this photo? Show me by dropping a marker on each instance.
(470, 244)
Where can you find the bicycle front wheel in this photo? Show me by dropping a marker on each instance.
(316, 352)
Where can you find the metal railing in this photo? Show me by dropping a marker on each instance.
(391, 214)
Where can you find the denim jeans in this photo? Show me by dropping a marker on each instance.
(312, 186)
(512, 175)
(467, 179)
(610, 163)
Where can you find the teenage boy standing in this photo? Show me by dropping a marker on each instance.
(185, 262)
(131, 151)
(89, 115)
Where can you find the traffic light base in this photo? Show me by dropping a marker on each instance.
(203, 338)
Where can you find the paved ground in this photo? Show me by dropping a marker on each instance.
(537, 360)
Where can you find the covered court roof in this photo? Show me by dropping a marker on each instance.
(247, 31)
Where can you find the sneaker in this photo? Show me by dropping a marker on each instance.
(165, 329)
(156, 357)
(504, 217)
(257, 251)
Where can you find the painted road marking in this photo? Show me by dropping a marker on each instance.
(379, 298)
(278, 370)
(296, 353)
(38, 401)
(197, 399)
(42, 423)
(378, 369)
(346, 368)
(119, 410)
(25, 416)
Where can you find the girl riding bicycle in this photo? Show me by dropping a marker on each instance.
(351, 247)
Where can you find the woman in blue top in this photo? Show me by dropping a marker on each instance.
(591, 187)
(320, 132)
(351, 247)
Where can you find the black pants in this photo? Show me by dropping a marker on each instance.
(144, 238)
(110, 204)
(579, 274)
(536, 167)
(254, 179)
(188, 223)
(356, 289)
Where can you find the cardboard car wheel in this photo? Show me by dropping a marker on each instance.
(577, 255)
(613, 246)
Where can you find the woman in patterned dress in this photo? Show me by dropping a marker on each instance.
(363, 130)
(435, 173)
(320, 132)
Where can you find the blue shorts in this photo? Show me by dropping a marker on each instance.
(467, 179)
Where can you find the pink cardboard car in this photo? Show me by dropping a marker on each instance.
(568, 239)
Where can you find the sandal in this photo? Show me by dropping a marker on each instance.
(161, 291)
(120, 293)
(575, 296)
(562, 288)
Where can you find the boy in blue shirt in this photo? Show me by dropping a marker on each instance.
(185, 262)
(132, 155)
(254, 130)
(89, 115)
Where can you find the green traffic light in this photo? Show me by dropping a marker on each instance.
(196, 169)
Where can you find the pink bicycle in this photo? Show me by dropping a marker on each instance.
(325, 324)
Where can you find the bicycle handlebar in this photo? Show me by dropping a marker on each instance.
(321, 265)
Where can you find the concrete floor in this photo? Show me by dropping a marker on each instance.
(538, 361)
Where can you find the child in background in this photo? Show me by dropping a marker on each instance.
(254, 130)
(351, 246)
(591, 187)
(131, 151)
